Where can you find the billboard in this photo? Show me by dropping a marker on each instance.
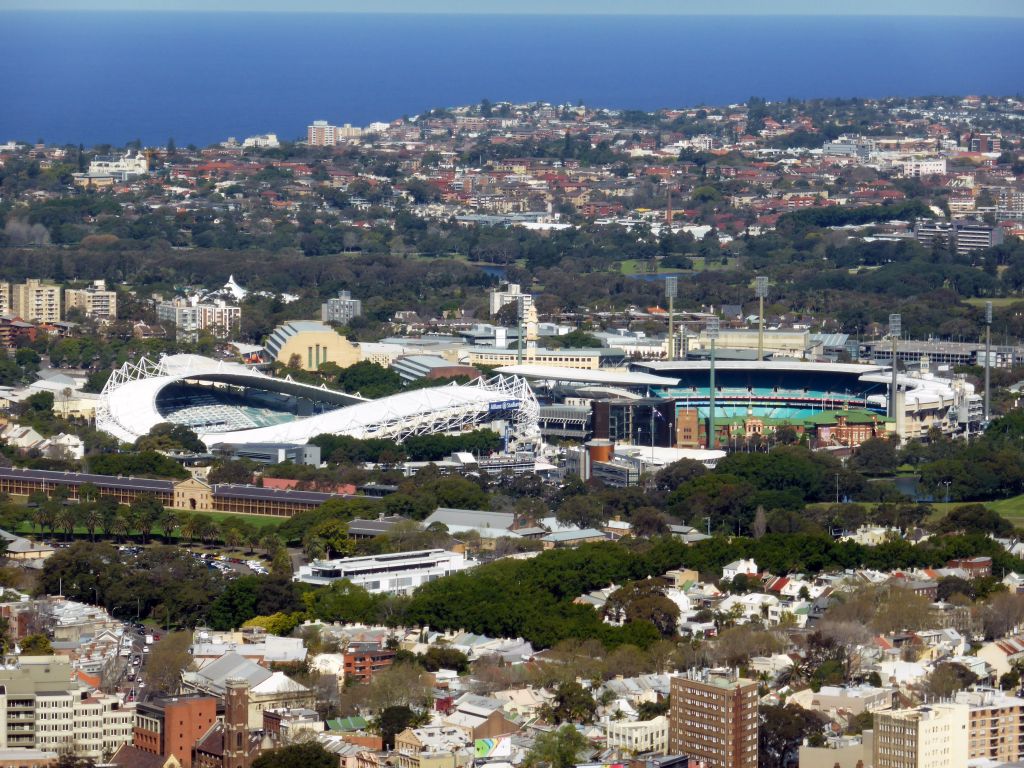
(500, 746)
(506, 405)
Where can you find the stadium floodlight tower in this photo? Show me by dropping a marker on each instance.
(711, 329)
(895, 329)
(988, 358)
(671, 291)
(761, 290)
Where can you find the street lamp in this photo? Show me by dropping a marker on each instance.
(712, 329)
(671, 291)
(760, 290)
(947, 483)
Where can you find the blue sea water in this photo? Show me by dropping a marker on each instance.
(111, 78)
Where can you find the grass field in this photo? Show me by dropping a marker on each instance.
(1005, 301)
(639, 267)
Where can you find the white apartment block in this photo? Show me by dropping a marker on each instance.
(398, 573)
(220, 318)
(512, 293)
(932, 736)
(264, 141)
(95, 301)
(916, 169)
(120, 167)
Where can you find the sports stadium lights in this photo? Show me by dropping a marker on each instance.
(760, 290)
(712, 328)
(671, 291)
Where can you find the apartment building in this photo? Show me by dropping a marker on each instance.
(219, 317)
(995, 725)
(341, 309)
(933, 736)
(512, 293)
(714, 719)
(94, 301)
(639, 737)
(34, 300)
(323, 134)
(42, 706)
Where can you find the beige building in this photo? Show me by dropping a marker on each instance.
(642, 736)
(851, 753)
(310, 343)
(95, 301)
(42, 706)
(714, 719)
(433, 747)
(36, 301)
(995, 725)
(932, 736)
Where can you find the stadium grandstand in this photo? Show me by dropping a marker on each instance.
(226, 402)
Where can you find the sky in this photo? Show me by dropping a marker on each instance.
(976, 8)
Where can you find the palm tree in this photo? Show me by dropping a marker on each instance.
(232, 537)
(108, 512)
(168, 522)
(65, 519)
(191, 526)
(91, 518)
(121, 524)
(210, 532)
(315, 548)
(42, 516)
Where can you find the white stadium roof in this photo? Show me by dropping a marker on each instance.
(582, 376)
(128, 405)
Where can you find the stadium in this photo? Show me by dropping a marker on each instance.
(773, 389)
(225, 402)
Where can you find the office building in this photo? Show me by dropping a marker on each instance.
(965, 236)
(341, 309)
(398, 573)
(933, 736)
(94, 301)
(270, 453)
(856, 147)
(714, 719)
(43, 706)
(168, 726)
(916, 169)
(36, 301)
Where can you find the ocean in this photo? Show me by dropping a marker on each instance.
(201, 77)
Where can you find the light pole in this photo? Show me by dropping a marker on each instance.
(988, 358)
(671, 291)
(712, 329)
(837, 487)
(947, 483)
(895, 329)
(760, 290)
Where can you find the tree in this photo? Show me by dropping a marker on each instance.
(571, 703)
(948, 678)
(556, 749)
(581, 511)
(783, 730)
(875, 456)
(36, 645)
(168, 658)
(309, 755)
(392, 721)
(146, 510)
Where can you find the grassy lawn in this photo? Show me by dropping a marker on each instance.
(639, 266)
(1004, 301)
(1012, 509)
